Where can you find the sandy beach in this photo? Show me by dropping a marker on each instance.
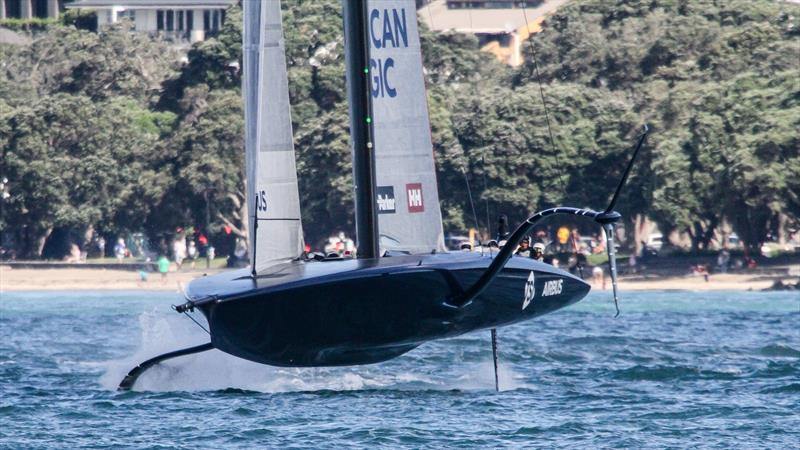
(18, 279)
(15, 279)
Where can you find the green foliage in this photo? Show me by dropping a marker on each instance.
(32, 24)
(107, 131)
(74, 162)
(78, 135)
(65, 59)
(79, 18)
(717, 82)
(214, 62)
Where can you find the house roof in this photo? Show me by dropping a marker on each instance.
(438, 17)
(150, 4)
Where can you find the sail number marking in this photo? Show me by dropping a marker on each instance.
(261, 200)
(387, 29)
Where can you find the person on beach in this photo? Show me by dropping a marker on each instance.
(120, 249)
(191, 252)
(163, 267)
(723, 259)
(632, 263)
(101, 247)
(700, 270)
(598, 277)
(210, 255)
(179, 250)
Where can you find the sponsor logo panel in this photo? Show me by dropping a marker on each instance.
(414, 197)
(386, 201)
(530, 291)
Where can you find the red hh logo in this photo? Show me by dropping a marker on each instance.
(414, 195)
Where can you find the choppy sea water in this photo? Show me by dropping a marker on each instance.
(675, 370)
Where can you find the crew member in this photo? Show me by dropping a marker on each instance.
(524, 247)
(537, 252)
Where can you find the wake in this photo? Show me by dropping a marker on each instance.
(215, 370)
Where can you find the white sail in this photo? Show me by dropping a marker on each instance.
(273, 198)
(408, 198)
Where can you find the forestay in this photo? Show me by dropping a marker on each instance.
(409, 216)
(273, 198)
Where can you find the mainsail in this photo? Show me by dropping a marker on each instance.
(273, 200)
(408, 199)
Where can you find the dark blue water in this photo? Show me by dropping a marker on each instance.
(676, 369)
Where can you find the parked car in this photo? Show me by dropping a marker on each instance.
(655, 241)
(454, 242)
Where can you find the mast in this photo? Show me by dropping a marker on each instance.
(359, 92)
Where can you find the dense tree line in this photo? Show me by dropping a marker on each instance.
(107, 132)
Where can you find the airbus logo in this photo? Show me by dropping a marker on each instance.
(530, 291)
(553, 287)
(414, 195)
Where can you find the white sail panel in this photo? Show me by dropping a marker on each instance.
(408, 198)
(274, 202)
(251, 14)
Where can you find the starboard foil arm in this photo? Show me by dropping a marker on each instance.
(127, 383)
(508, 249)
(607, 219)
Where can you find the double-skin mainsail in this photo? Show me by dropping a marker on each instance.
(407, 198)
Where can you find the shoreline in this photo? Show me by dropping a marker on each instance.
(85, 279)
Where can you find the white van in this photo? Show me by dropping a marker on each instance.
(655, 241)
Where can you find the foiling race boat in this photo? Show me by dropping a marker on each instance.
(403, 288)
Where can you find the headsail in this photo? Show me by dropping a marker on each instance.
(273, 198)
(408, 198)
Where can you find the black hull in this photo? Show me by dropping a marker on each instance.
(372, 311)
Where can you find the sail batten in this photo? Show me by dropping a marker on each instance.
(273, 197)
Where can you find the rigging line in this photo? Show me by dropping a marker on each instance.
(485, 195)
(198, 323)
(541, 92)
(430, 16)
(471, 203)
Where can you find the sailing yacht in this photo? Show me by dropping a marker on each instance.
(403, 288)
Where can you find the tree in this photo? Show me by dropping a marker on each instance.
(72, 162)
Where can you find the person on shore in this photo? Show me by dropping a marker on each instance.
(723, 259)
(210, 255)
(179, 250)
(191, 252)
(502, 228)
(632, 262)
(74, 254)
(163, 267)
(120, 249)
(700, 270)
(598, 277)
(524, 248)
(101, 247)
(203, 241)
